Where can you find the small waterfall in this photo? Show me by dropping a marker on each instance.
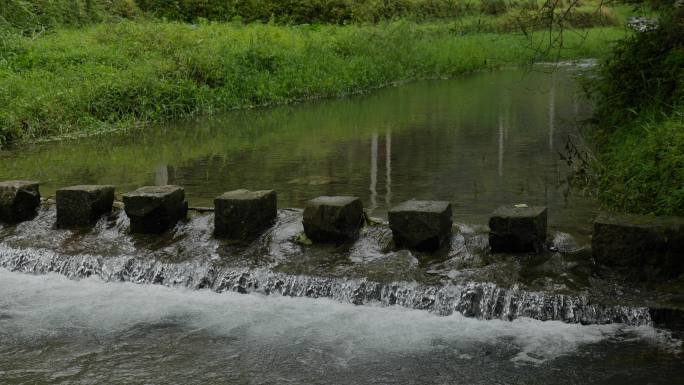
(473, 299)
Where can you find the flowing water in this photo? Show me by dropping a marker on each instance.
(103, 306)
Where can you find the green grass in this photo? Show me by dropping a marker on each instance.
(36, 16)
(112, 76)
(643, 167)
(639, 98)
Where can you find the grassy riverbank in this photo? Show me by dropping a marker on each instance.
(36, 16)
(640, 111)
(111, 76)
(643, 166)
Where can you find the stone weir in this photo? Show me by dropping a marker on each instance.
(331, 249)
(473, 299)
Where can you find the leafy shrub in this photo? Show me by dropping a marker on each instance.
(32, 16)
(493, 7)
(304, 11)
(580, 17)
(123, 8)
(640, 113)
(643, 166)
(645, 73)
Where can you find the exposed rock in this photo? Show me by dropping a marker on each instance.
(19, 200)
(642, 24)
(83, 205)
(333, 218)
(652, 246)
(243, 214)
(155, 209)
(421, 225)
(517, 229)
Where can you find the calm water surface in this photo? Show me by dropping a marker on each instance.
(479, 141)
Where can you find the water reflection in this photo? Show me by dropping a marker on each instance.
(552, 112)
(479, 141)
(374, 172)
(501, 145)
(388, 167)
(161, 175)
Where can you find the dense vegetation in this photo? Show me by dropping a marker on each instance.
(86, 66)
(125, 72)
(35, 16)
(31, 16)
(640, 108)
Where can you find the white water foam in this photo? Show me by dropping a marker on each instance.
(51, 305)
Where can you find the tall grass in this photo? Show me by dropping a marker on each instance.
(640, 110)
(308, 11)
(36, 16)
(643, 166)
(32, 16)
(118, 75)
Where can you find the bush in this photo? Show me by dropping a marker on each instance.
(645, 74)
(304, 11)
(640, 114)
(576, 17)
(32, 16)
(643, 167)
(493, 7)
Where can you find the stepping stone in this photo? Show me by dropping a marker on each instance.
(244, 214)
(517, 229)
(652, 246)
(420, 225)
(155, 209)
(79, 206)
(333, 219)
(19, 200)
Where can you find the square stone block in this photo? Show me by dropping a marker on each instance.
(651, 246)
(420, 225)
(83, 205)
(19, 200)
(244, 214)
(517, 229)
(155, 209)
(333, 219)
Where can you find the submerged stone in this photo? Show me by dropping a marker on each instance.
(421, 225)
(83, 205)
(333, 219)
(517, 229)
(243, 214)
(155, 209)
(19, 200)
(653, 246)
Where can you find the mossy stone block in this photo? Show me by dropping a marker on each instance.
(19, 200)
(518, 229)
(79, 206)
(651, 246)
(244, 214)
(333, 219)
(421, 225)
(155, 209)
